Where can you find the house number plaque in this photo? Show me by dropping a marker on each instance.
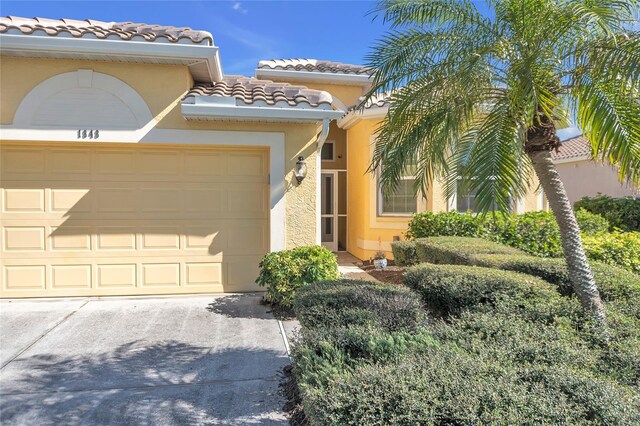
(88, 134)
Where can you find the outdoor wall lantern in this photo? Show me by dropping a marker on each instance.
(301, 169)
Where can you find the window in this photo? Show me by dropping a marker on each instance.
(327, 153)
(466, 200)
(403, 200)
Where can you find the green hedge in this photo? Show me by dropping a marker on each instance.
(348, 303)
(284, 272)
(536, 233)
(486, 363)
(623, 213)
(451, 289)
(617, 248)
(404, 253)
(613, 282)
(458, 250)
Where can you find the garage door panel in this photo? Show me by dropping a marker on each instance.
(24, 239)
(104, 220)
(23, 200)
(67, 162)
(70, 277)
(70, 238)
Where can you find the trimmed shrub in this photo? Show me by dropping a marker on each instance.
(591, 223)
(617, 248)
(536, 233)
(613, 282)
(622, 213)
(458, 250)
(451, 289)
(284, 272)
(446, 385)
(350, 303)
(428, 224)
(404, 253)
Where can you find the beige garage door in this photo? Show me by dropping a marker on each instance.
(121, 220)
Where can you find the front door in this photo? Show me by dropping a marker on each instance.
(329, 217)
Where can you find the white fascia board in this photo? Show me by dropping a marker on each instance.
(573, 159)
(49, 46)
(352, 117)
(222, 111)
(311, 76)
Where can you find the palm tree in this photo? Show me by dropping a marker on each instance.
(476, 97)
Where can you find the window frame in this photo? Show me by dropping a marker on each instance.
(380, 199)
(333, 152)
(454, 201)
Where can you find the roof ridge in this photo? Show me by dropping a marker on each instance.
(251, 89)
(126, 30)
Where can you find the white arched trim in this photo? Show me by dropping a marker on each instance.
(30, 106)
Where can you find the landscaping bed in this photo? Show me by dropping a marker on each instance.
(468, 344)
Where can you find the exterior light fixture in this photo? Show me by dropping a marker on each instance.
(301, 169)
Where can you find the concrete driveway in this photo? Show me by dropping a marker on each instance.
(171, 360)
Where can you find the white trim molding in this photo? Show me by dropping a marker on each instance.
(315, 77)
(351, 118)
(203, 60)
(201, 109)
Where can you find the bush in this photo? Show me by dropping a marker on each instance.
(404, 253)
(616, 248)
(428, 224)
(458, 250)
(622, 213)
(284, 272)
(613, 283)
(591, 223)
(451, 289)
(536, 233)
(446, 385)
(350, 303)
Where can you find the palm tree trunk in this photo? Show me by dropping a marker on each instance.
(578, 267)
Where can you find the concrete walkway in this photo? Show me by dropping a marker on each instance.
(348, 267)
(171, 360)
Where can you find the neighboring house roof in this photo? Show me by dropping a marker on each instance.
(574, 148)
(379, 100)
(375, 108)
(90, 28)
(316, 71)
(247, 98)
(314, 65)
(252, 91)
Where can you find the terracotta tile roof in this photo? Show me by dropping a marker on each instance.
(314, 65)
(90, 28)
(252, 91)
(379, 100)
(572, 148)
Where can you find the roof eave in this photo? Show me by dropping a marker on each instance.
(214, 111)
(350, 119)
(311, 76)
(573, 159)
(48, 46)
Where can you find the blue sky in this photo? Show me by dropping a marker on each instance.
(245, 31)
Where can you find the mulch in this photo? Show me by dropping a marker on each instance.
(389, 275)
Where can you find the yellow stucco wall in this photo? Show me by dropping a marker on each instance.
(369, 232)
(162, 87)
(345, 93)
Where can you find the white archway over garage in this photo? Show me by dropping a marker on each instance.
(83, 99)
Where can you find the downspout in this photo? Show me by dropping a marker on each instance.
(322, 137)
